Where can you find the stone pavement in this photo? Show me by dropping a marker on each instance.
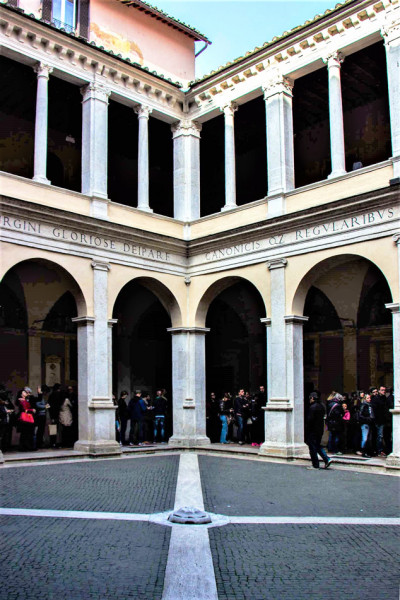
(121, 549)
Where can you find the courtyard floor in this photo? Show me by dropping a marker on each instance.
(83, 529)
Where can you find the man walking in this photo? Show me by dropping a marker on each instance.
(315, 430)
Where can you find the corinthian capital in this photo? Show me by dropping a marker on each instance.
(142, 111)
(391, 31)
(280, 85)
(186, 128)
(229, 109)
(334, 59)
(95, 91)
(43, 70)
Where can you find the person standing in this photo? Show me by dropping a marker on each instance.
(123, 414)
(366, 419)
(334, 421)
(41, 406)
(240, 407)
(26, 420)
(160, 411)
(315, 430)
(379, 406)
(136, 408)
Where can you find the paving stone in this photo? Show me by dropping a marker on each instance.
(74, 559)
(139, 485)
(306, 562)
(246, 487)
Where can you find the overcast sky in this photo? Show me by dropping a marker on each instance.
(236, 26)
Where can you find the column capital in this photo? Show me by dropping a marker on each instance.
(277, 263)
(186, 128)
(391, 32)
(195, 330)
(266, 321)
(279, 85)
(143, 111)
(229, 109)
(334, 59)
(83, 320)
(98, 265)
(43, 70)
(95, 91)
(296, 319)
(393, 307)
(112, 322)
(396, 239)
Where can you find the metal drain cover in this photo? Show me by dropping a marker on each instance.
(189, 515)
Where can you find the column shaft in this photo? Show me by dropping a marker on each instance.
(95, 145)
(186, 137)
(143, 113)
(394, 458)
(188, 386)
(230, 163)
(41, 123)
(338, 161)
(391, 36)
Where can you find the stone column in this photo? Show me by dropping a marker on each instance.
(95, 146)
(284, 430)
(391, 35)
(186, 137)
(230, 163)
(280, 154)
(143, 113)
(349, 354)
(41, 119)
(338, 161)
(34, 359)
(96, 409)
(394, 458)
(189, 386)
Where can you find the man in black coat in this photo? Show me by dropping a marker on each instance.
(315, 430)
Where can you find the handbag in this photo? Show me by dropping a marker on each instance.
(52, 429)
(26, 417)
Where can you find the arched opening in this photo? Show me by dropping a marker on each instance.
(142, 357)
(38, 301)
(236, 343)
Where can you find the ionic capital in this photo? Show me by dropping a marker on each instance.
(143, 112)
(396, 238)
(295, 319)
(281, 85)
(98, 265)
(391, 31)
(190, 330)
(394, 308)
(334, 59)
(229, 109)
(186, 128)
(277, 263)
(43, 70)
(95, 91)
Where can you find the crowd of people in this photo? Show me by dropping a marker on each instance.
(237, 419)
(49, 418)
(150, 419)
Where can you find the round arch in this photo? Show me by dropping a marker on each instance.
(73, 284)
(214, 289)
(162, 293)
(322, 266)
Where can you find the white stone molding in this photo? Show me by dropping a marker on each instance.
(100, 266)
(279, 134)
(186, 140)
(188, 386)
(394, 458)
(143, 112)
(230, 161)
(41, 123)
(266, 321)
(95, 143)
(391, 36)
(336, 127)
(277, 263)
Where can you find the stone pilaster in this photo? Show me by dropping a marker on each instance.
(394, 458)
(96, 409)
(284, 429)
(188, 386)
(338, 162)
(95, 147)
(349, 355)
(34, 359)
(230, 161)
(143, 113)
(41, 122)
(186, 138)
(280, 153)
(391, 36)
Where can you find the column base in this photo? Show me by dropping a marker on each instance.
(145, 209)
(337, 174)
(40, 179)
(228, 207)
(99, 207)
(2, 461)
(98, 448)
(280, 450)
(393, 461)
(188, 441)
(276, 205)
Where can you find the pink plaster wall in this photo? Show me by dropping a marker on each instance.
(142, 38)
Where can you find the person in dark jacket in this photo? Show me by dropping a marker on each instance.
(366, 419)
(315, 430)
(41, 406)
(123, 415)
(240, 406)
(379, 406)
(334, 421)
(159, 411)
(136, 408)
